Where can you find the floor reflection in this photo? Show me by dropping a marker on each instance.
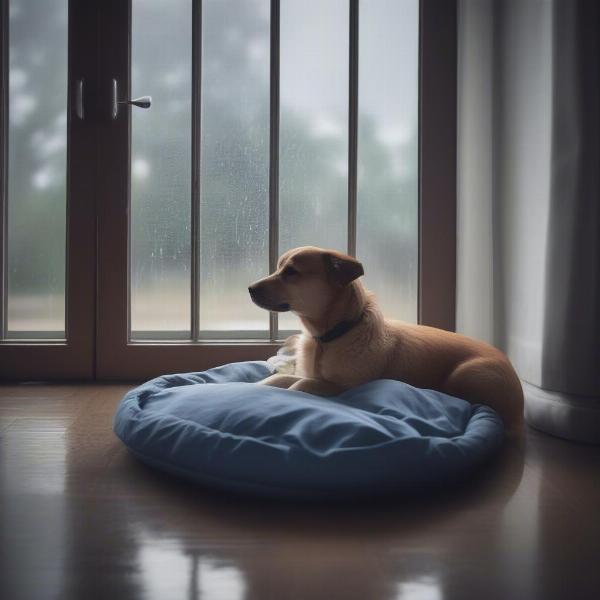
(162, 570)
(81, 518)
(425, 589)
(33, 469)
(165, 571)
(568, 557)
(199, 544)
(34, 455)
(210, 579)
(518, 543)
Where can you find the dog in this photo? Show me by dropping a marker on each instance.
(346, 341)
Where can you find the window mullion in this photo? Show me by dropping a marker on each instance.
(3, 161)
(274, 156)
(196, 144)
(352, 126)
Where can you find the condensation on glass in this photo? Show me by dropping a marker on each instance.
(313, 146)
(387, 221)
(233, 240)
(234, 164)
(37, 159)
(161, 67)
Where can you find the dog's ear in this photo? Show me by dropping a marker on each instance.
(341, 268)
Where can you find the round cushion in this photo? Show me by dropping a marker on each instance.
(221, 429)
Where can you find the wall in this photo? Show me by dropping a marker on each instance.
(529, 196)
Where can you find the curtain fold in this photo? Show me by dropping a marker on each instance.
(529, 200)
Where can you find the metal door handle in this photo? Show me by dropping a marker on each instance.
(141, 102)
(79, 111)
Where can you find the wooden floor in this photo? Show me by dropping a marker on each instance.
(80, 518)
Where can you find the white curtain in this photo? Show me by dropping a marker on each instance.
(529, 199)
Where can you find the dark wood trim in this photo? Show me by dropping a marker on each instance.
(352, 125)
(21, 361)
(73, 359)
(437, 178)
(124, 91)
(196, 158)
(81, 195)
(112, 326)
(141, 361)
(274, 109)
(3, 159)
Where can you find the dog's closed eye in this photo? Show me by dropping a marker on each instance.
(289, 271)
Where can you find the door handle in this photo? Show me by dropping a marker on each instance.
(141, 102)
(79, 110)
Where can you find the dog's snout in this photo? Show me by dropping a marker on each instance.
(263, 296)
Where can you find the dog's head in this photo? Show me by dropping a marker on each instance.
(307, 279)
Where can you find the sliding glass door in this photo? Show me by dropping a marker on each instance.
(226, 79)
(46, 175)
(272, 125)
(159, 155)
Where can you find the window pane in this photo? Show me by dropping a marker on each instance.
(313, 168)
(161, 168)
(234, 162)
(37, 154)
(387, 222)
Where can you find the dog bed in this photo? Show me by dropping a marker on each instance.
(222, 430)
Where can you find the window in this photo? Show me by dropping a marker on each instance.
(130, 235)
(335, 85)
(36, 171)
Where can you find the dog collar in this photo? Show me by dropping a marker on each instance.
(339, 330)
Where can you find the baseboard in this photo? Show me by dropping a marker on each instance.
(567, 416)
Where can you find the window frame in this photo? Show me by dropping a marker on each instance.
(98, 344)
(73, 357)
(438, 56)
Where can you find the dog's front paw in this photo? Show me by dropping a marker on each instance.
(286, 365)
(317, 387)
(280, 381)
(284, 361)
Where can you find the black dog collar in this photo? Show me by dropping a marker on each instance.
(339, 330)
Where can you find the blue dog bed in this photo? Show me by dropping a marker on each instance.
(222, 430)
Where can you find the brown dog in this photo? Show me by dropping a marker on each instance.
(346, 341)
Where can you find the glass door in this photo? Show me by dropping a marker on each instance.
(159, 155)
(187, 186)
(271, 125)
(46, 190)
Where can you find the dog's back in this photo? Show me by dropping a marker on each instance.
(422, 356)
